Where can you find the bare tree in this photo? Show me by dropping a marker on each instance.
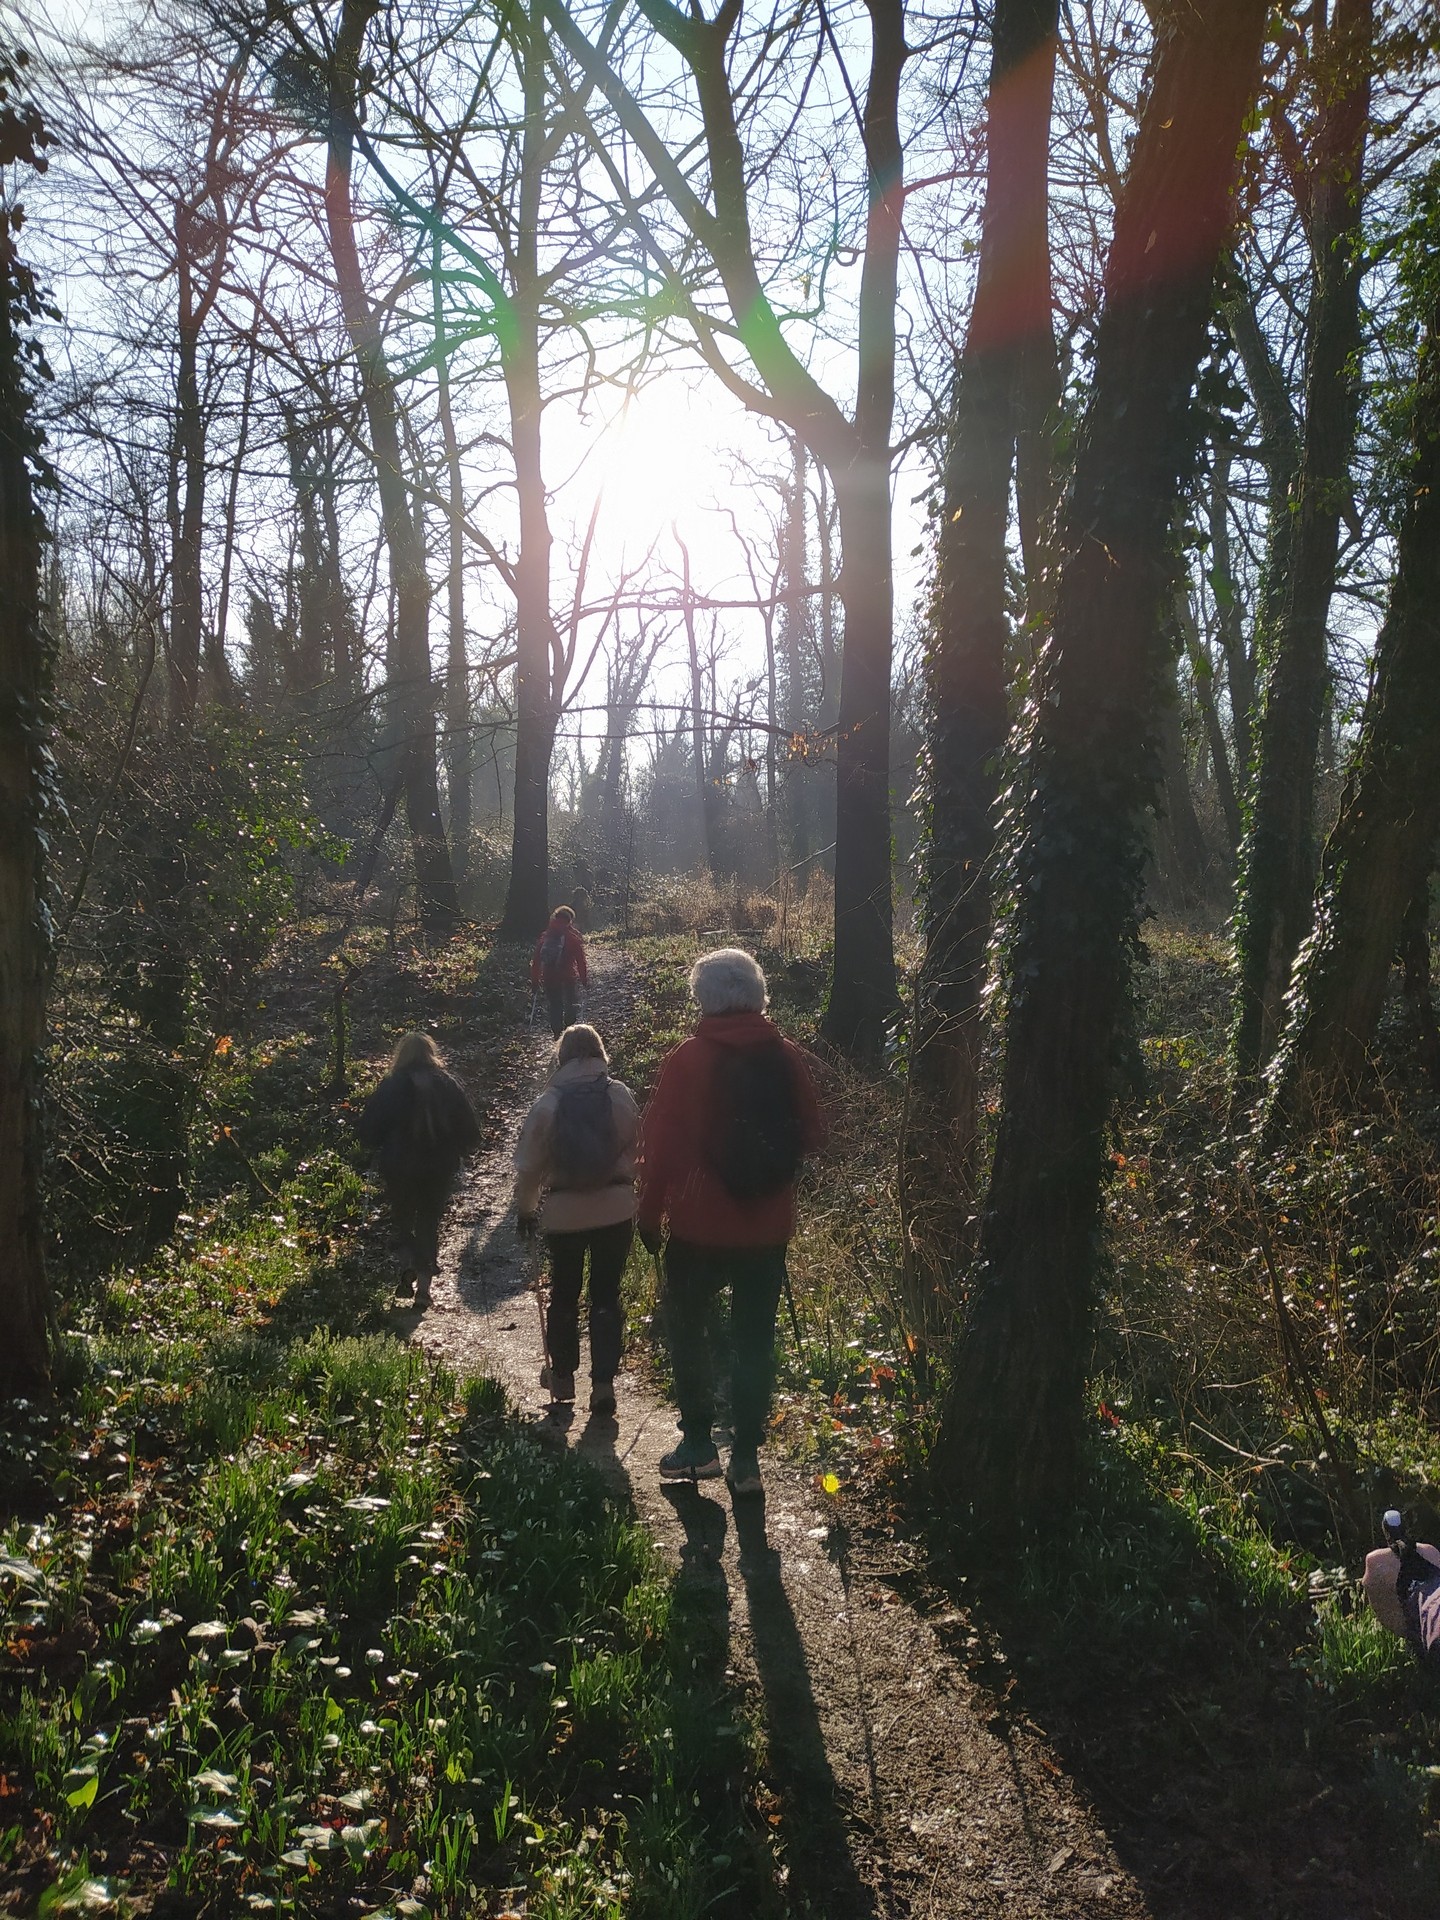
(855, 449)
(410, 688)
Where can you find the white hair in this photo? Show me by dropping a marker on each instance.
(728, 981)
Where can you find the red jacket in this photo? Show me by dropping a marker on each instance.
(676, 1180)
(572, 958)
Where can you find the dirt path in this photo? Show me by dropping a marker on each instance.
(903, 1789)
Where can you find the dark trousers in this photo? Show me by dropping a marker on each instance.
(608, 1248)
(417, 1207)
(693, 1277)
(563, 1004)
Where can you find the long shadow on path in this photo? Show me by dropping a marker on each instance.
(818, 1847)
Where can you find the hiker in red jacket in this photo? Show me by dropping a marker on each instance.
(558, 969)
(733, 1114)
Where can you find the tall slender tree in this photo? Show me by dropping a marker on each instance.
(1011, 1422)
(1278, 857)
(25, 780)
(1381, 850)
(410, 688)
(1004, 378)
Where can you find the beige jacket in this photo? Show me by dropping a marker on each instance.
(575, 1209)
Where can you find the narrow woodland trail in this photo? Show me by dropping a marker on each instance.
(903, 1789)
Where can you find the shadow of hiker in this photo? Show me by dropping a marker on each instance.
(822, 1867)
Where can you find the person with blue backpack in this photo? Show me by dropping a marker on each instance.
(558, 969)
(575, 1184)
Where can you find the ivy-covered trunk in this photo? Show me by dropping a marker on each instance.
(25, 781)
(1011, 1422)
(966, 675)
(1379, 855)
(1278, 857)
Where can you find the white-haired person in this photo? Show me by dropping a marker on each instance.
(421, 1125)
(575, 1182)
(732, 1116)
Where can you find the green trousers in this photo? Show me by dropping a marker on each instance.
(693, 1277)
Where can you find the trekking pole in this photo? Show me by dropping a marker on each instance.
(534, 1007)
(537, 1288)
(794, 1318)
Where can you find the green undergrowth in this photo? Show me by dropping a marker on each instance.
(1211, 1562)
(294, 1623)
(1243, 1450)
(1253, 1737)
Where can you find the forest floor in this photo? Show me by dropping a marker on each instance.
(298, 1617)
(896, 1785)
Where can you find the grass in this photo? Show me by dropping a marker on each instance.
(293, 1621)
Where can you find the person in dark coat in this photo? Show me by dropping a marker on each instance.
(420, 1125)
(559, 970)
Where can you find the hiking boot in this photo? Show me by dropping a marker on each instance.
(405, 1285)
(742, 1476)
(561, 1385)
(602, 1399)
(691, 1460)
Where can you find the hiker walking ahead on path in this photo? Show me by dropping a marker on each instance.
(558, 969)
(732, 1116)
(421, 1125)
(577, 1150)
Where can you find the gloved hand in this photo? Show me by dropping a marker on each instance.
(650, 1238)
(526, 1225)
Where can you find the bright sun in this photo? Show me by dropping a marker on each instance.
(654, 469)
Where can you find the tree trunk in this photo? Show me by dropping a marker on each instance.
(1009, 337)
(459, 742)
(187, 494)
(26, 792)
(410, 688)
(1187, 837)
(862, 988)
(772, 775)
(537, 696)
(1378, 857)
(1239, 663)
(699, 745)
(221, 678)
(799, 842)
(862, 991)
(1203, 670)
(1011, 1422)
(1419, 997)
(1278, 858)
